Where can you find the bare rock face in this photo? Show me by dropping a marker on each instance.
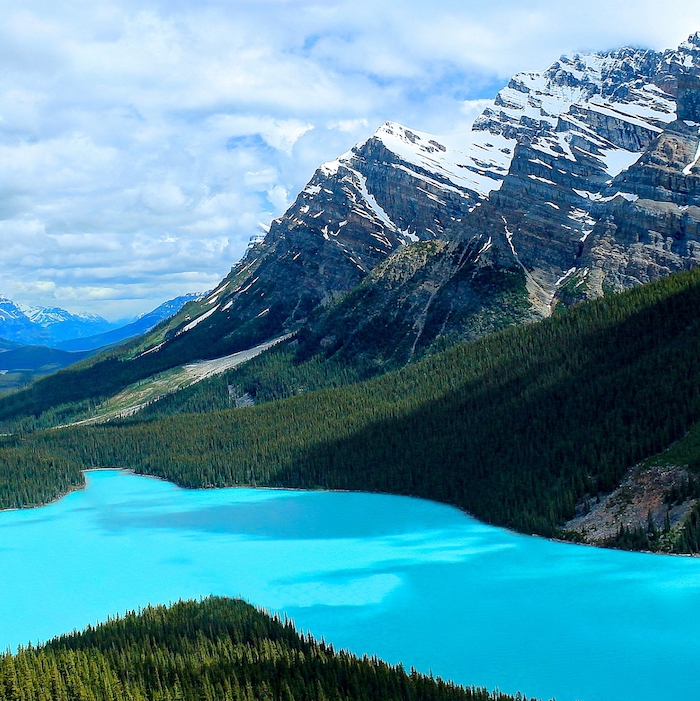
(397, 188)
(667, 172)
(684, 65)
(651, 229)
(641, 496)
(574, 182)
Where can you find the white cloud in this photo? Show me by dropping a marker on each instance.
(349, 125)
(278, 197)
(142, 143)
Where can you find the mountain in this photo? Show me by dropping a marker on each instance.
(576, 181)
(142, 324)
(62, 325)
(15, 325)
(45, 325)
(6, 345)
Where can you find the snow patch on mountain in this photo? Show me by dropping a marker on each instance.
(478, 164)
(687, 170)
(375, 208)
(617, 160)
(198, 320)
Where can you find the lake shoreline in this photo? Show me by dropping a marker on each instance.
(131, 471)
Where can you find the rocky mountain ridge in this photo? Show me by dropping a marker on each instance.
(575, 181)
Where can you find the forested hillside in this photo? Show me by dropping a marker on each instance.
(514, 427)
(410, 241)
(215, 650)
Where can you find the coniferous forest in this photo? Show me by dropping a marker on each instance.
(514, 427)
(214, 650)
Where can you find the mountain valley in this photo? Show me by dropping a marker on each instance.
(577, 183)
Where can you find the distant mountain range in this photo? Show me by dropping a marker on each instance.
(57, 328)
(45, 325)
(140, 325)
(39, 340)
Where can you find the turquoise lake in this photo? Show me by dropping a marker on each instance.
(408, 580)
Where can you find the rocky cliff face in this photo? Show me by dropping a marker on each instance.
(575, 181)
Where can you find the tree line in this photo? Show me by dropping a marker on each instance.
(217, 649)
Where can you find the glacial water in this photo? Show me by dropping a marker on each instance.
(408, 580)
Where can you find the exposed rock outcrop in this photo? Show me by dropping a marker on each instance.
(640, 501)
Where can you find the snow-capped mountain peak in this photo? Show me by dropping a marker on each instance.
(555, 110)
(9, 311)
(608, 104)
(47, 316)
(45, 325)
(689, 47)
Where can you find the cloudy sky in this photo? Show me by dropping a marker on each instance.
(142, 143)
